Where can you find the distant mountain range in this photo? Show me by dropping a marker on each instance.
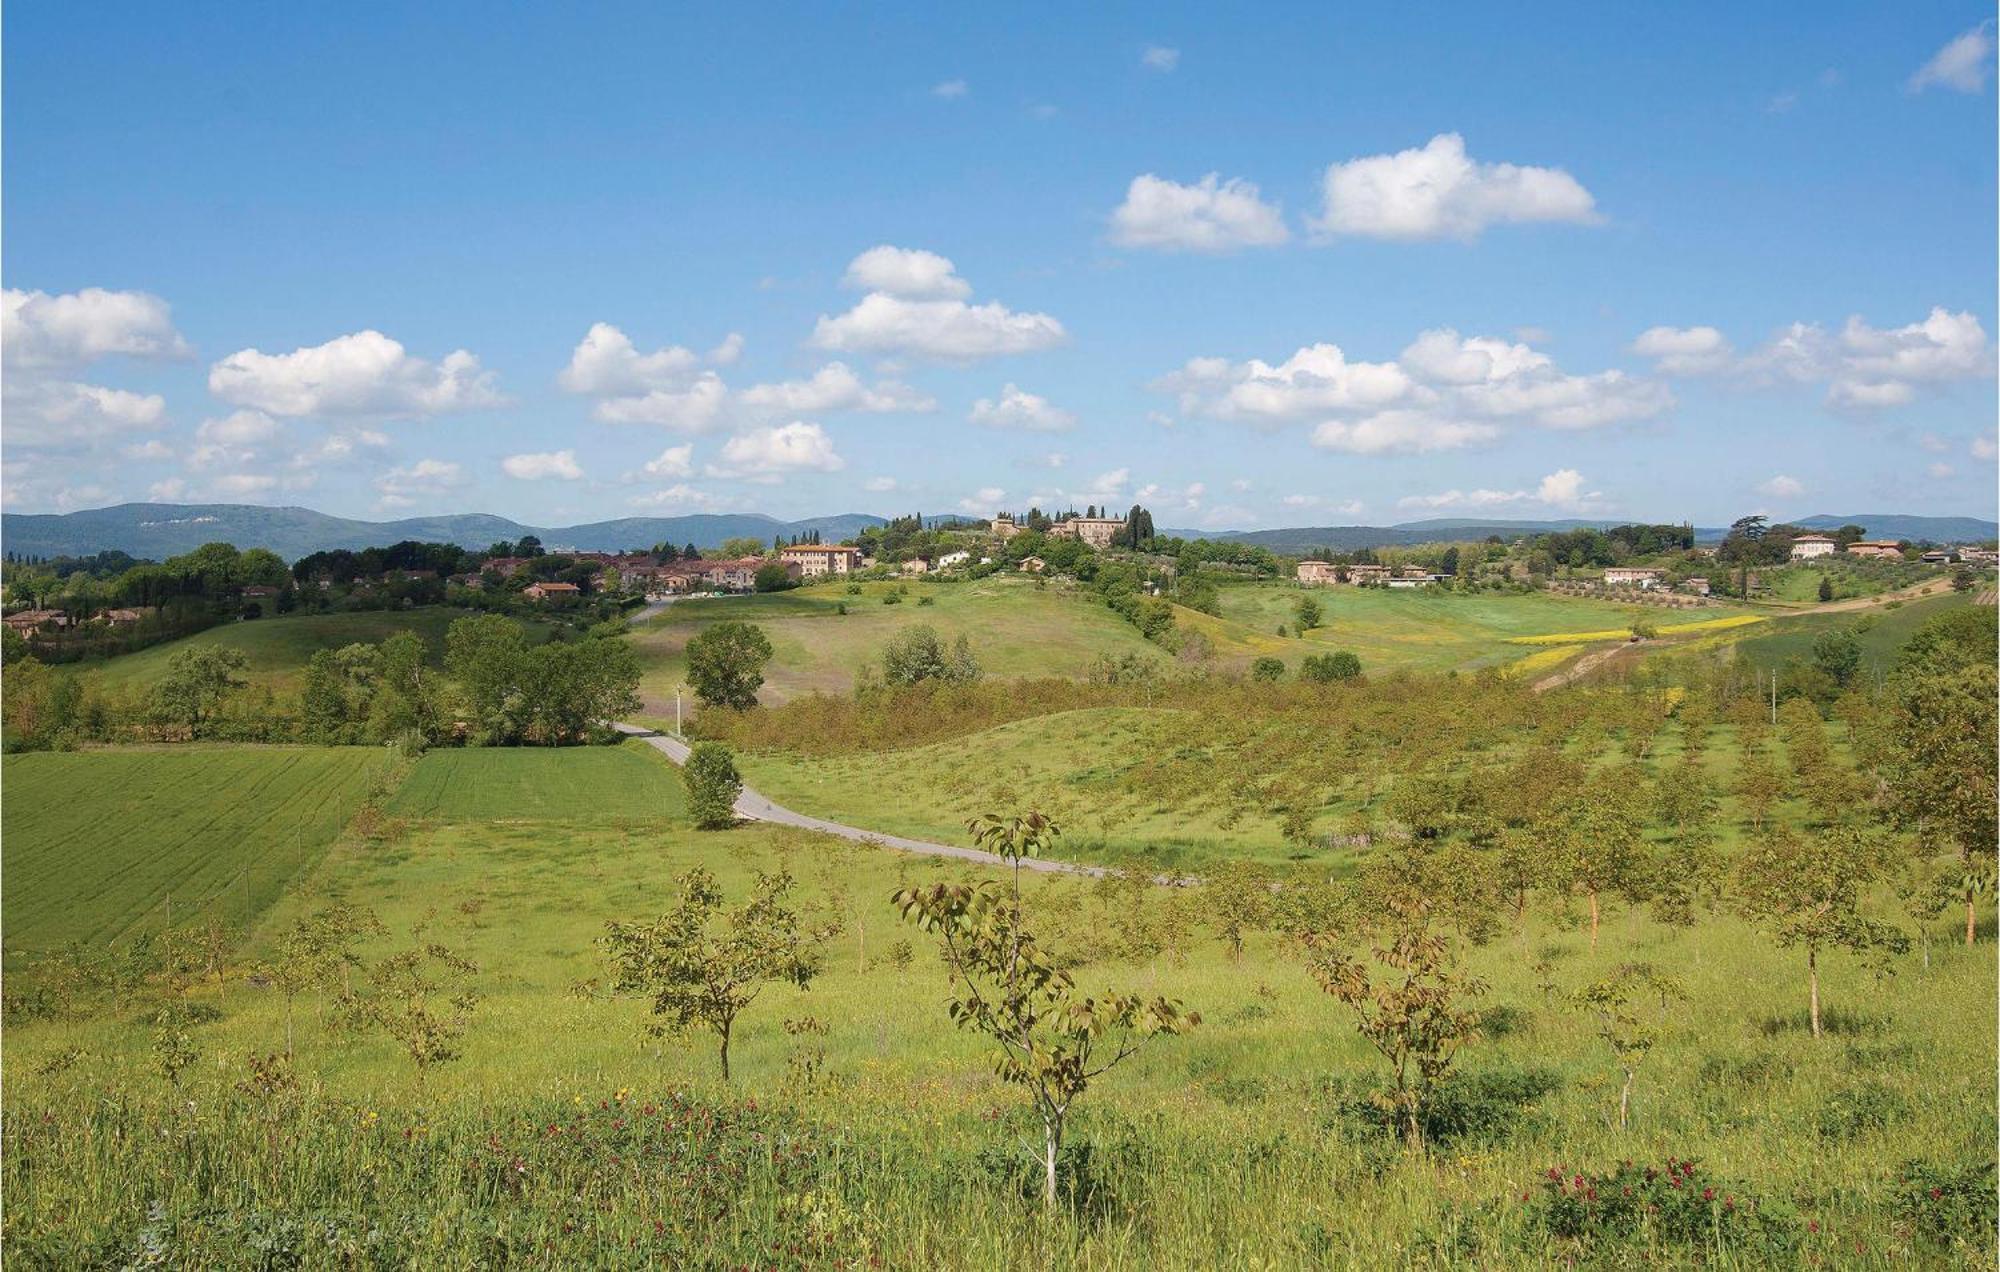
(158, 531)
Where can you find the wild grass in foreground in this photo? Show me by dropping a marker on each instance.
(861, 1128)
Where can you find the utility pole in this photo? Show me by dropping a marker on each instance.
(1774, 695)
(677, 711)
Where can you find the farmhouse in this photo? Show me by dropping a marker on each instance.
(1096, 531)
(1696, 584)
(950, 559)
(916, 565)
(815, 559)
(33, 620)
(1033, 565)
(1813, 545)
(1004, 528)
(1631, 576)
(1939, 556)
(739, 575)
(125, 617)
(543, 591)
(1414, 576)
(1888, 549)
(1368, 575)
(1317, 573)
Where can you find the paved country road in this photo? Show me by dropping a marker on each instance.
(755, 807)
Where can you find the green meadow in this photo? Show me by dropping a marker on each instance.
(277, 649)
(568, 1134)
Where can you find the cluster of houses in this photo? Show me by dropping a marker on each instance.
(29, 621)
(1326, 574)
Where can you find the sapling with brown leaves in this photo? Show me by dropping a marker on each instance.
(1409, 1001)
(1053, 1041)
(702, 964)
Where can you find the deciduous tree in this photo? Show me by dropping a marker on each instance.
(702, 965)
(1053, 1042)
(1810, 893)
(725, 664)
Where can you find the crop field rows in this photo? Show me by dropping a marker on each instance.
(101, 843)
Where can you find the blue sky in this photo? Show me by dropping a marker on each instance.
(605, 260)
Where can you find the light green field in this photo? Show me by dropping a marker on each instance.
(1227, 1148)
(1880, 630)
(628, 782)
(1020, 629)
(1416, 629)
(99, 843)
(1016, 628)
(1156, 788)
(277, 649)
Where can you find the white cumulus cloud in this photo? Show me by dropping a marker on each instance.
(40, 330)
(427, 478)
(767, 454)
(910, 272)
(605, 364)
(1400, 432)
(542, 465)
(1211, 215)
(1018, 409)
(915, 307)
(1159, 58)
(674, 461)
(1562, 490)
(1439, 192)
(1685, 350)
(363, 374)
(834, 387)
(1782, 487)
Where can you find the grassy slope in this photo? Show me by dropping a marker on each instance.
(629, 782)
(1242, 1104)
(1016, 629)
(1127, 784)
(1882, 632)
(278, 648)
(1019, 629)
(1416, 630)
(98, 841)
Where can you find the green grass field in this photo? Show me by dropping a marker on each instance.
(1232, 1147)
(1016, 628)
(277, 649)
(628, 782)
(1881, 631)
(101, 843)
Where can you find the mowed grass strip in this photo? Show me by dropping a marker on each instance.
(628, 782)
(96, 842)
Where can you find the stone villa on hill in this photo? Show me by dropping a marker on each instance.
(1096, 531)
(1807, 546)
(1887, 549)
(815, 559)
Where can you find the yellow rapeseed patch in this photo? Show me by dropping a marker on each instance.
(1671, 629)
(1542, 660)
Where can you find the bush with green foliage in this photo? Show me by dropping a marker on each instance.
(712, 786)
(1268, 668)
(1325, 669)
(917, 654)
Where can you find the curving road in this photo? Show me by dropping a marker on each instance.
(754, 807)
